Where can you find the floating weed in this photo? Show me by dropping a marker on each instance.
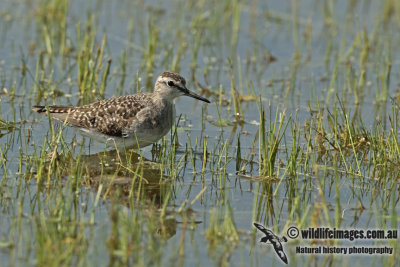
(6, 127)
(222, 123)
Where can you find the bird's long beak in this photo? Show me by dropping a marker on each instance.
(191, 94)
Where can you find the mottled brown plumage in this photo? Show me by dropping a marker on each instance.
(108, 116)
(134, 120)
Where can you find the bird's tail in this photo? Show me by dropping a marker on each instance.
(51, 109)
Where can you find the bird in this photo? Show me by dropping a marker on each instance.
(274, 240)
(130, 121)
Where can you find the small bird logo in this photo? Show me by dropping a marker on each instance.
(274, 240)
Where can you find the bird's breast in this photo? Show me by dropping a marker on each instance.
(154, 122)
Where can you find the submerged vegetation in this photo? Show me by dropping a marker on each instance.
(303, 130)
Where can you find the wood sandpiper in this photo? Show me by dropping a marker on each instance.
(132, 121)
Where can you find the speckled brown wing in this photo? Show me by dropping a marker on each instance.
(110, 116)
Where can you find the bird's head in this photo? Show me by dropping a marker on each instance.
(170, 85)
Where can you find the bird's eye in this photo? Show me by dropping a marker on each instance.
(170, 83)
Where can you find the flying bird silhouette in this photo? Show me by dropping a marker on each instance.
(274, 240)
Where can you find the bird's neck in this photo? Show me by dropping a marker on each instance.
(164, 98)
